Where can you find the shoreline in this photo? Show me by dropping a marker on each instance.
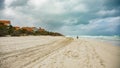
(112, 41)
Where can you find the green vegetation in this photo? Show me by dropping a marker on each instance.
(11, 31)
(47, 33)
(3, 30)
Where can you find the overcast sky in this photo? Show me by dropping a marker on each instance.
(69, 17)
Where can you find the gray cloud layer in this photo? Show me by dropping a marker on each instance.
(2, 4)
(73, 17)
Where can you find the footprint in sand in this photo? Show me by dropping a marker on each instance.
(72, 54)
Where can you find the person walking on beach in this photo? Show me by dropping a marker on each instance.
(77, 37)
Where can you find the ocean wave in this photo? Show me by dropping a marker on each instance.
(110, 39)
(117, 38)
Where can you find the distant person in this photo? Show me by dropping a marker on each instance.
(77, 37)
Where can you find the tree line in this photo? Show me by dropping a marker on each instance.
(11, 31)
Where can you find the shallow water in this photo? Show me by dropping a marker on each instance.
(114, 40)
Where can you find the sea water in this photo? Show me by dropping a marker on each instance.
(115, 40)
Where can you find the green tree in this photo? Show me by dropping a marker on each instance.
(3, 30)
(11, 29)
(17, 33)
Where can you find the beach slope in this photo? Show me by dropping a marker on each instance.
(57, 52)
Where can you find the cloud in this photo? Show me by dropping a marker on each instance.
(18, 3)
(107, 12)
(17, 18)
(111, 4)
(105, 26)
(68, 17)
(2, 4)
(112, 12)
(71, 21)
(80, 8)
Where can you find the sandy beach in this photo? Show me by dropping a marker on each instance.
(57, 52)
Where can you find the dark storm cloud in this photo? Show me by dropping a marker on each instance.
(19, 3)
(112, 4)
(2, 5)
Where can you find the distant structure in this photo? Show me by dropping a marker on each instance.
(28, 28)
(16, 27)
(5, 22)
(7, 29)
(31, 29)
(41, 29)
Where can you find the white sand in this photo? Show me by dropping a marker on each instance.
(57, 52)
(8, 44)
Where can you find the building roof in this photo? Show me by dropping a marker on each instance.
(5, 22)
(28, 28)
(16, 27)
